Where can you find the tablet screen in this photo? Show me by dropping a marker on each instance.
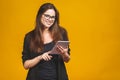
(64, 44)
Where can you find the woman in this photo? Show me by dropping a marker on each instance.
(38, 43)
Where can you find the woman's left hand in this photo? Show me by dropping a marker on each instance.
(64, 53)
(62, 50)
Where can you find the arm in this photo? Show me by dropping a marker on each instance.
(32, 62)
(64, 53)
(26, 57)
(66, 57)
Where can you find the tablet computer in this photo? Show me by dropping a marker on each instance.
(64, 44)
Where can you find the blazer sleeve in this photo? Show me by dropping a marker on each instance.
(65, 38)
(26, 52)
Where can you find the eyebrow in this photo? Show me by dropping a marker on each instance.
(49, 15)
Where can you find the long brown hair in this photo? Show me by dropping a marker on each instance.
(36, 43)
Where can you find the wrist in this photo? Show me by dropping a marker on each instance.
(40, 57)
(65, 55)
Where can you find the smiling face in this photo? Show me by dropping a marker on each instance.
(48, 18)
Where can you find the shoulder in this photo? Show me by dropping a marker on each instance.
(29, 35)
(64, 33)
(63, 30)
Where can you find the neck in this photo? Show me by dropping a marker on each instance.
(46, 30)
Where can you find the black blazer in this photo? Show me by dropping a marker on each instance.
(27, 54)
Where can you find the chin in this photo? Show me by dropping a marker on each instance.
(48, 26)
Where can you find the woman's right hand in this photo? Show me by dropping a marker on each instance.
(46, 56)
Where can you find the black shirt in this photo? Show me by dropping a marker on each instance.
(48, 69)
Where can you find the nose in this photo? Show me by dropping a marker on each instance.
(50, 18)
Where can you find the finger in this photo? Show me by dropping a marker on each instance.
(60, 49)
(48, 58)
(45, 57)
(49, 52)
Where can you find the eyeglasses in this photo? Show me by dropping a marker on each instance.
(49, 17)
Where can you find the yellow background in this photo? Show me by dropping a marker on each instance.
(94, 31)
